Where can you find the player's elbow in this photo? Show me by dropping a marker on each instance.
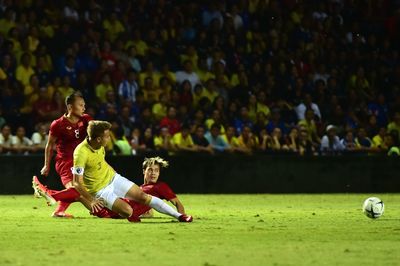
(76, 183)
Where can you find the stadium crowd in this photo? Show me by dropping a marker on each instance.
(272, 76)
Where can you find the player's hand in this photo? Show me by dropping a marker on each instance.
(45, 170)
(96, 205)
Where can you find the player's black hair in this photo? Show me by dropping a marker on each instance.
(70, 99)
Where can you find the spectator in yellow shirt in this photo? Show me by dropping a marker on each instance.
(159, 109)
(151, 93)
(166, 73)
(13, 36)
(309, 124)
(378, 140)
(33, 39)
(24, 71)
(230, 138)
(248, 142)
(65, 89)
(215, 119)
(31, 93)
(210, 90)
(162, 142)
(395, 124)
(45, 28)
(191, 55)
(42, 52)
(7, 22)
(202, 71)
(103, 88)
(197, 95)
(113, 26)
(149, 73)
(3, 75)
(141, 46)
(182, 141)
(255, 107)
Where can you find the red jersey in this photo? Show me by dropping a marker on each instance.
(172, 125)
(68, 135)
(160, 190)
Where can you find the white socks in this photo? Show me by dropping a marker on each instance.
(163, 207)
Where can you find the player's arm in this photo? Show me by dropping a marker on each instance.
(178, 204)
(86, 198)
(80, 161)
(48, 151)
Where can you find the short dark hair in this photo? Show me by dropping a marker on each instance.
(216, 126)
(70, 99)
(185, 126)
(5, 125)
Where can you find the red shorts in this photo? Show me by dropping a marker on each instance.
(63, 168)
(138, 209)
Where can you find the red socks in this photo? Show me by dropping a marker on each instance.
(64, 197)
(62, 207)
(68, 195)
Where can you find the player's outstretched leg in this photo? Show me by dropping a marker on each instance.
(59, 212)
(42, 191)
(135, 193)
(64, 197)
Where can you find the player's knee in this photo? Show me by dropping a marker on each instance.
(126, 211)
(143, 198)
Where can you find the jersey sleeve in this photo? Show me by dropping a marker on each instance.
(87, 117)
(80, 159)
(165, 191)
(54, 129)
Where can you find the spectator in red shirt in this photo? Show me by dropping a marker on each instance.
(170, 121)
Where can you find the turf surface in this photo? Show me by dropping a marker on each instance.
(228, 230)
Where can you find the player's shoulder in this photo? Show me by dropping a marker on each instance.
(58, 121)
(57, 125)
(86, 117)
(161, 185)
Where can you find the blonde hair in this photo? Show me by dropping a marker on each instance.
(96, 128)
(155, 161)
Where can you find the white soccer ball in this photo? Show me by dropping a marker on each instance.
(373, 207)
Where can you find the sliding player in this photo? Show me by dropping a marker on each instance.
(151, 172)
(100, 186)
(66, 133)
(151, 186)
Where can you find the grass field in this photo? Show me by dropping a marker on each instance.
(227, 230)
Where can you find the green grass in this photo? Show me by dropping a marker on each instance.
(227, 230)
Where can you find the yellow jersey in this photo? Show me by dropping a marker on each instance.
(179, 140)
(233, 142)
(97, 173)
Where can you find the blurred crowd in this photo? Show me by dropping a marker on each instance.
(273, 76)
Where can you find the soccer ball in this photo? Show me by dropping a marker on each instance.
(373, 207)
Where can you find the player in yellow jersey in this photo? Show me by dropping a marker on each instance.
(100, 185)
